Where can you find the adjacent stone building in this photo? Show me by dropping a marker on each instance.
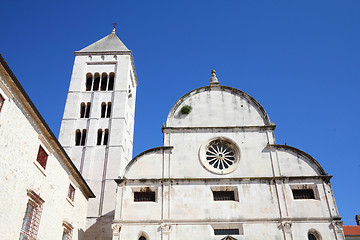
(43, 196)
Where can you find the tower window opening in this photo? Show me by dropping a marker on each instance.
(224, 195)
(142, 238)
(82, 110)
(108, 112)
(87, 112)
(106, 137)
(89, 80)
(103, 109)
(111, 81)
(77, 137)
(80, 137)
(96, 81)
(99, 137)
(83, 137)
(104, 79)
(2, 100)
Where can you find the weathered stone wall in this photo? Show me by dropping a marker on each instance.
(20, 139)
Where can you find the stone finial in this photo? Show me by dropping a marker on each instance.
(213, 80)
(113, 31)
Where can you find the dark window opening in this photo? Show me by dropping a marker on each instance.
(99, 137)
(83, 137)
(108, 113)
(234, 231)
(71, 192)
(104, 79)
(88, 81)
(144, 196)
(111, 81)
(142, 238)
(103, 109)
(87, 112)
(224, 195)
(311, 236)
(82, 110)
(77, 137)
(303, 193)
(42, 157)
(96, 81)
(2, 100)
(106, 137)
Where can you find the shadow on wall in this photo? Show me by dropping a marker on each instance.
(101, 229)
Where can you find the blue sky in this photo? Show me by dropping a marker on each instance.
(299, 59)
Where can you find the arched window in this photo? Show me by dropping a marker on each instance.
(96, 81)
(99, 137)
(313, 235)
(85, 110)
(77, 137)
(82, 110)
(104, 79)
(89, 80)
(108, 112)
(111, 81)
(142, 238)
(106, 137)
(103, 109)
(83, 137)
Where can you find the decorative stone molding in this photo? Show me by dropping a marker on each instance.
(165, 228)
(286, 226)
(116, 227)
(338, 225)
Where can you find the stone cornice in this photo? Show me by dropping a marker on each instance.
(217, 129)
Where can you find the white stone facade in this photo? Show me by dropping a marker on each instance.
(262, 190)
(101, 162)
(24, 179)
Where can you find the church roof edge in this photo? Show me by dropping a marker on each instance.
(110, 43)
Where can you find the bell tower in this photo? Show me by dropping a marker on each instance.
(98, 123)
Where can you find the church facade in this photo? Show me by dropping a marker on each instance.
(219, 175)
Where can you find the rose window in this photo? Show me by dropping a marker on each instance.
(219, 156)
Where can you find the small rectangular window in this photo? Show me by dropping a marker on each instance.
(232, 231)
(303, 193)
(144, 196)
(2, 100)
(224, 195)
(42, 157)
(71, 192)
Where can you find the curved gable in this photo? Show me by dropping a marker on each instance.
(146, 165)
(217, 106)
(294, 162)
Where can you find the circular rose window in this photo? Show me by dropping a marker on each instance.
(219, 156)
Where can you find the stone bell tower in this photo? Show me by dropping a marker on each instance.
(98, 124)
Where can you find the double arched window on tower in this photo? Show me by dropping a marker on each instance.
(85, 110)
(103, 137)
(80, 137)
(105, 109)
(103, 82)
